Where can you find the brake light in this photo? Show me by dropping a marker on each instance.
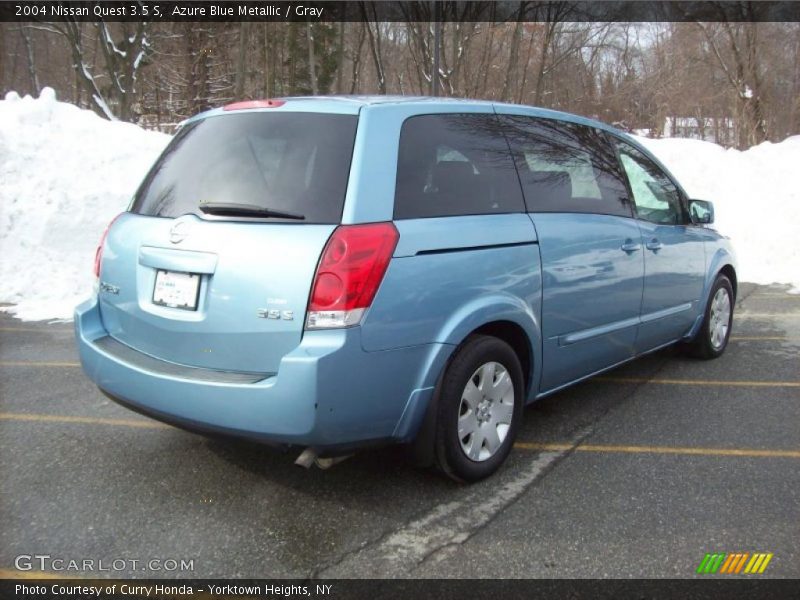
(352, 267)
(245, 104)
(98, 254)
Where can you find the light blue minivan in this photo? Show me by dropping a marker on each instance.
(336, 272)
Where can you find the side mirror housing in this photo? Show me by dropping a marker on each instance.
(701, 212)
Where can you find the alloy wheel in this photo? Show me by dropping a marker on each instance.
(720, 318)
(486, 411)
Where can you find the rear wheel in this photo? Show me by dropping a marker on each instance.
(712, 339)
(480, 407)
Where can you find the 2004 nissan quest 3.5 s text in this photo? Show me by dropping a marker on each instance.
(332, 273)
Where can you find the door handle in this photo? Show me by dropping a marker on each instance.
(630, 246)
(654, 245)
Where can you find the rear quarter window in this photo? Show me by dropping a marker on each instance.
(291, 162)
(454, 164)
(566, 167)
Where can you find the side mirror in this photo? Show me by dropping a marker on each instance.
(701, 212)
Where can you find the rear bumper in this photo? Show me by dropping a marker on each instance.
(328, 392)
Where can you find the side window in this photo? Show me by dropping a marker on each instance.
(565, 167)
(656, 197)
(454, 164)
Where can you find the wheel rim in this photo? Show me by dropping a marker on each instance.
(720, 318)
(485, 411)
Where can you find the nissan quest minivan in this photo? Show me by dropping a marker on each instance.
(337, 272)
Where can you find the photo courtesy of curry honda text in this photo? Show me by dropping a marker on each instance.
(333, 273)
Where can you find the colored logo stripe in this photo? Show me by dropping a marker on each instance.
(758, 563)
(710, 563)
(734, 563)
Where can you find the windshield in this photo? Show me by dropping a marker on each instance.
(296, 163)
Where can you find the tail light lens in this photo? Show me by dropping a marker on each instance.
(352, 267)
(98, 254)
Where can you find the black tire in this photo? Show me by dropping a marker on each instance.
(455, 404)
(705, 345)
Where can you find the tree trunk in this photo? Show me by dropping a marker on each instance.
(521, 90)
(340, 59)
(355, 80)
(511, 65)
(267, 71)
(26, 36)
(486, 63)
(312, 67)
(241, 60)
(375, 46)
(547, 39)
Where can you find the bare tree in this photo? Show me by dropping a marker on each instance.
(122, 49)
(742, 68)
(374, 38)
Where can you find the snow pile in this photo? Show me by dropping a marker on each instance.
(65, 174)
(756, 196)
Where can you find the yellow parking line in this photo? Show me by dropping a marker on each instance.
(4, 416)
(707, 382)
(774, 295)
(552, 446)
(521, 445)
(37, 363)
(749, 315)
(14, 574)
(37, 329)
(661, 450)
(766, 338)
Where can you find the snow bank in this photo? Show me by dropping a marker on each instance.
(756, 196)
(65, 174)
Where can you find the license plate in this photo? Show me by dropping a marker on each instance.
(176, 290)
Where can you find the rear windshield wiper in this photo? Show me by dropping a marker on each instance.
(246, 210)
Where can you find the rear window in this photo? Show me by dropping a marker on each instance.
(455, 164)
(285, 162)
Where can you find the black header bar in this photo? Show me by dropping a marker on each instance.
(390, 11)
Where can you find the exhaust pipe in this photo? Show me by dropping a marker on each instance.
(309, 457)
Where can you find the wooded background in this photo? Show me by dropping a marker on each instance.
(735, 82)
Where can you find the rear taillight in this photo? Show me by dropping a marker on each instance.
(352, 267)
(98, 254)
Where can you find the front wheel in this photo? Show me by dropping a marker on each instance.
(712, 339)
(480, 408)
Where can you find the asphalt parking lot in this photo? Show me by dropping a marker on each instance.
(638, 473)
